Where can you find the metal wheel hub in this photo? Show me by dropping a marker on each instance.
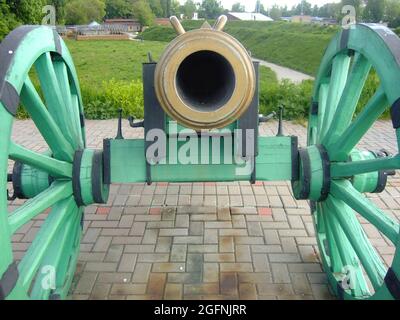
(314, 178)
(87, 178)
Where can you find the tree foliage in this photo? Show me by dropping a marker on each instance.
(374, 11)
(238, 7)
(118, 9)
(189, 8)
(211, 9)
(84, 11)
(143, 12)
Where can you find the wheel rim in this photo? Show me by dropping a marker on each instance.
(59, 118)
(354, 268)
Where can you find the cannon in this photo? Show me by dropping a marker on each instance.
(201, 125)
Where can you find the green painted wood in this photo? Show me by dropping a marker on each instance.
(60, 124)
(53, 96)
(59, 256)
(340, 134)
(369, 258)
(349, 169)
(50, 131)
(54, 167)
(344, 191)
(6, 256)
(58, 191)
(53, 224)
(349, 258)
(339, 73)
(349, 99)
(128, 164)
(353, 134)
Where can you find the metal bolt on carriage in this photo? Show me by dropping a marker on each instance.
(205, 86)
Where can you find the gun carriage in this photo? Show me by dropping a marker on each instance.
(201, 125)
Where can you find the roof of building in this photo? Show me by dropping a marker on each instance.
(121, 21)
(248, 16)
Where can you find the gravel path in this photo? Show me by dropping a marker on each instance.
(286, 73)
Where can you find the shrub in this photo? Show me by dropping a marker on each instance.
(296, 99)
(397, 30)
(104, 103)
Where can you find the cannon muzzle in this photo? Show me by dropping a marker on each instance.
(205, 79)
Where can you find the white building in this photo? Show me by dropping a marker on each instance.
(248, 16)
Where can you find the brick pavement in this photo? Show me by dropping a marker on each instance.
(202, 240)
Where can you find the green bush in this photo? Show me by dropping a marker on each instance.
(104, 103)
(397, 30)
(296, 99)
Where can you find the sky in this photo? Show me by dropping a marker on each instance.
(251, 4)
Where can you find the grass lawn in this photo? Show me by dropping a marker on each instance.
(98, 61)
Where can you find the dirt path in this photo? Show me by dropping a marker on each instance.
(286, 73)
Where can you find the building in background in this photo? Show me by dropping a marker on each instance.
(247, 16)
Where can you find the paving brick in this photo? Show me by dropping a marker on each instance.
(226, 244)
(86, 283)
(141, 273)
(127, 263)
(211, 272)
(173, 291)
(178, 253)
(228, 284)
(128, 289)
(156, 285)
(168, 267)
(280, 273)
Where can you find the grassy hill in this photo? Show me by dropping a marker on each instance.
(297, 46)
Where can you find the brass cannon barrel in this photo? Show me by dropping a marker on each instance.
(205, 79)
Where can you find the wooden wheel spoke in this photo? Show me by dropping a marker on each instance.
(45, 123)
(335, 258)
(58, 191)
(376, 106)
(369, 258)
(322, 101)
(55, 168)
(61, 72)
(54, 96)
(58, 256)
(344, 191)
(348, 102)
(350, 169)
(29, 265)
(340, 70)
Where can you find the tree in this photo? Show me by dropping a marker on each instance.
(59, 5)
(84, 11)
(189, 8)
(374, 11)
(275, 12)
(392, 13)
(8, 20)
(238, 7)
(27, 11)
(211, 9)
(118, 9)
(142, 12)
(157, 8)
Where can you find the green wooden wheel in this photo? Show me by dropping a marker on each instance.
(355, 269)
(47, 268)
